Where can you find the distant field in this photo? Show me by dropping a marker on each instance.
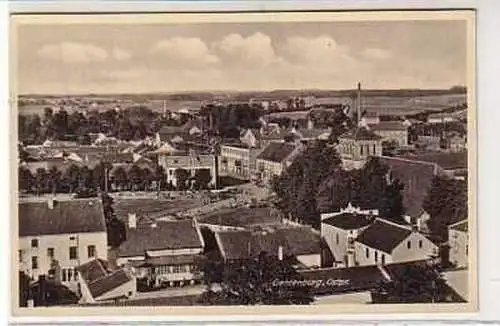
(385, 104)
(241, 217)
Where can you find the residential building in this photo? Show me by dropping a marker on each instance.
(394, 131)
(357, 145)
(190, 160)
(386, 242)
(458, 237)
(456, 143)
(250, 137)
(57, 236)
(441, 118)
(340, 231)
(163, 253)
(308, 134)
(370, 118)
(430, 142)
(238, 159)
(300, 243)
(98, 283)
(274, 159)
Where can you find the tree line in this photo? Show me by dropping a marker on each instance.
(84, 180)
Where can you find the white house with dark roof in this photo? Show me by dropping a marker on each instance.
(300, 243)
(57, 236)
(458, 238)
(386, 242)
(340, 230)
(98, 283)
(166, 252)
(275, 158)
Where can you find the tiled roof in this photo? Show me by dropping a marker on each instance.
(70, 216)
(448, 161)
(111, 281)
(242, 217)
(389, 126)
(383, 236)
(360, 133)
(165, 235)
(417, 179)
(276, 152)
(460, 226)
(93, 270)
(349, 221)
(245, 244)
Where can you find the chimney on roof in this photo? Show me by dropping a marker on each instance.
(132, 220)
(280, 253)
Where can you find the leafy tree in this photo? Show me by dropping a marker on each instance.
(446, 203)
(415, 284)
(256, 281)
(391, 205)
(159, 176)
(70, 178)
(135, 177)
(120, 178)
(24, 289)
(26, 179)
(181, 177)
(40, 180)
(54, 178)
(148, 177)
(202, 178)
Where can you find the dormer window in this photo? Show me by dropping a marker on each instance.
(34, 243)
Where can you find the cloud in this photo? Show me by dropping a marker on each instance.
(377, 54)
(73, 52)
(120, 54)
(318, 51)
(254, 50)
(187, 51)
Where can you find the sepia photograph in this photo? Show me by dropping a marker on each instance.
(222, 161)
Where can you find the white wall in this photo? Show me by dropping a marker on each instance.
(61, 244)
(458, 248)
(128, 289)
(339, 250)
(401, 253)
(362, 260)
(312, 260)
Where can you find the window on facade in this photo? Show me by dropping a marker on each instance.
(72, 238)
(21, 256)
(170, 172)
(34, 243)
(91, 251)
(383, 259)
(73, 253)
(374, 149)
(64, 275)
(337, 238)
(361, 149)
(75, 275)
(70, 274)
(367, 253)
(420, 243)
(50, 252)
(34, 262)
(408, 244)
(376, 256)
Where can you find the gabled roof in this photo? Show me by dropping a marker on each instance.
(100, 279)
(245, 244)
(360, 133)
(448, 161)
(165, 235)
(383, 236)
(460, 226)
(66, 217)
(389, 126)
(277, 152)
(349, 221)
(417, 179)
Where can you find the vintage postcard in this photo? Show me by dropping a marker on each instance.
(244, 163)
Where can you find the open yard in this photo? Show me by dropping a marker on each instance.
(151, 206)
(242, 217)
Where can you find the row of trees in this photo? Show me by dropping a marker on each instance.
(82, 179)
(133, 123)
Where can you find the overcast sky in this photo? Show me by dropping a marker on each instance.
(249, 56)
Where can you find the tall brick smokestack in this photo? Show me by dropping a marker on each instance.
(358, 103)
